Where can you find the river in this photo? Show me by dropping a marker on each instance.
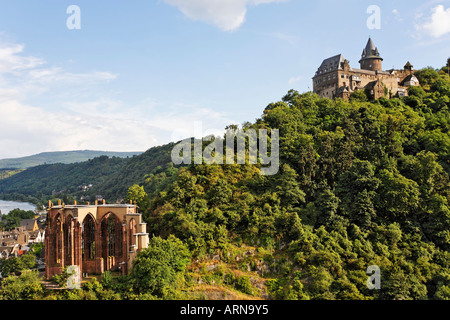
(7, 206)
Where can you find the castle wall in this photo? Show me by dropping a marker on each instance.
(327, 84)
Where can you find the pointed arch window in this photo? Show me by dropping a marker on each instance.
(112, 237)
(111, 225)
(88, 238)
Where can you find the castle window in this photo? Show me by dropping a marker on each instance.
(342, 76)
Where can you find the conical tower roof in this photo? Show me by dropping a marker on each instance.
(370, 51)
(370, 46)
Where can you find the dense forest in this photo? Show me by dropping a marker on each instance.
(361, 183)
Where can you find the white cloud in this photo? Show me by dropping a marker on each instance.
(228, 15)
(57, 74)
(11, 61)
(286, 37)
(438, 24)
(22, 75)
(47, 108)
(293, 80)
(27, 129)
(397, 15)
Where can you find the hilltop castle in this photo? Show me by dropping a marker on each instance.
(335, 78)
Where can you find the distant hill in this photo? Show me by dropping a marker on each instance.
(65, 157)
(109, 176)
(46, 179)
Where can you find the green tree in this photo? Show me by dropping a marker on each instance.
(27, 261)
(397, 196)
(326, 208)
(15, 265)
(288, 188)
(358, 95)
(427, 76)
(156, 268)
(220, 193)
(400, 285)
(416, 91)
(9, 266)
(14, 217)
(136, 193)
(443, 293)
(356, 189)
(27, 286)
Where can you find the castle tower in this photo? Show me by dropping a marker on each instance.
(370, 58)
(408, 68)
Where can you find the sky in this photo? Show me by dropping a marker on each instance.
(129, 75)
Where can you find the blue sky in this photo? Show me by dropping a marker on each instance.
(145, 72)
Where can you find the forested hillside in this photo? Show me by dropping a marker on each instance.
(135, 171)
(39, 183)
(110, 177)
(360, 184)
